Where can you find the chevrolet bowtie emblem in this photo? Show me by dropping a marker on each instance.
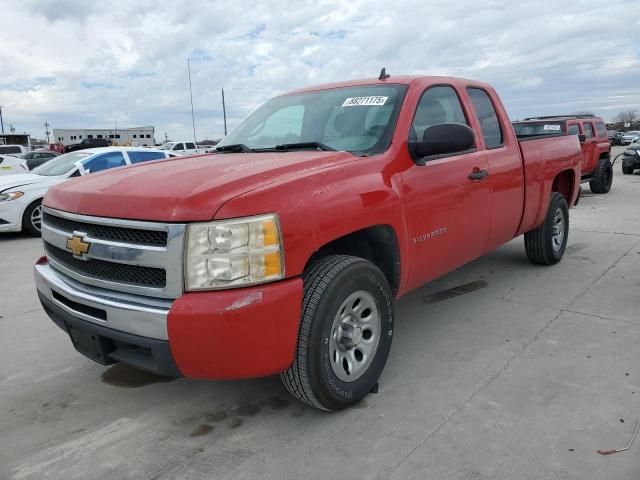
(78, 246)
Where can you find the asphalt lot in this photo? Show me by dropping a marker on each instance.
(524, 378)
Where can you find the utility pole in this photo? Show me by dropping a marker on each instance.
(166, 138)
(46, 130)
(224, 114)
(11, 128)
(193, 118)
(1, 123)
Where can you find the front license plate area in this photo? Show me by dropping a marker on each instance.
(90, 345)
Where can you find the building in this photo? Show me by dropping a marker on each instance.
(23, 139)
(137, 137)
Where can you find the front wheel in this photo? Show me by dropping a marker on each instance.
(32, 219)
(345, 334)
(545, 245)
(602, 177)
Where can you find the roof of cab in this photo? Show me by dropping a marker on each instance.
(393, 79)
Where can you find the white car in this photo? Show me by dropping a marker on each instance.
(12, 149)
(11, 165)
(629, 137)
(180, 148)
(22, 194)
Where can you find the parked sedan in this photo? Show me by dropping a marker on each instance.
(38, 157)
(629, 137)
(22, 194)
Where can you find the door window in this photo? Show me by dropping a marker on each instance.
(489, 123)
(588, 130)
(190, 146)
(438, 105)
(104, 162)
(178, 146)
(138, 157)
(573, 129)
(601, 129)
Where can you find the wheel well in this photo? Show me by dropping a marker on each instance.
(604, 155)
(564, 184)
(377, 244)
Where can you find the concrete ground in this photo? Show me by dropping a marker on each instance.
(524, 378)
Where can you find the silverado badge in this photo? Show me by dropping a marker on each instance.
(78, 246)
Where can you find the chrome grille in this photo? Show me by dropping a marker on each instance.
(110, 271)
(117, 234)
(137, 257)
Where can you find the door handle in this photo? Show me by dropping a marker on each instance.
(478, 174)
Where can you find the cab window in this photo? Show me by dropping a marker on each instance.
(489, 123)
(437, 105)
(601, 129)
(178, 146)
(588, 130)
(104, 162)
(573, 129)
(190, 146)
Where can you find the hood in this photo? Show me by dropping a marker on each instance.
(19, 180)
(183, 189)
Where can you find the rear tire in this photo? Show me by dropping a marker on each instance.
(345, 333)
(32, 219)
(627, 170)
(602, 177)
(545, 245)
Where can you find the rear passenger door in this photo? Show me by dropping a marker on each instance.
(447, 212)
(505, 169)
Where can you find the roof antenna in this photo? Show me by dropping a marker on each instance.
(383, 74)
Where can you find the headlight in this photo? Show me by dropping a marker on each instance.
(8, 196)
(231, 253)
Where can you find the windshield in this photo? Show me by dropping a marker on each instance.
(60, 165)
(352, 119)
(166, 146)
(526, 129)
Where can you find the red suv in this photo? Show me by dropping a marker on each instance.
(596, 162)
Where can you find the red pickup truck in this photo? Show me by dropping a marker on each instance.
(596, 165)
(285, 251)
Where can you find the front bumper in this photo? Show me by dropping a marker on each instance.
(629, 161)
(11, 216)
(237, 333)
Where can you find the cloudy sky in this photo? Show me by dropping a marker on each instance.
(96, 64)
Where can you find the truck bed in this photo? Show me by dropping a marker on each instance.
(543, 156)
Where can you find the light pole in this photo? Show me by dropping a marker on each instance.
(1, 123)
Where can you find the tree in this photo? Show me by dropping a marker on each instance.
(629, 116)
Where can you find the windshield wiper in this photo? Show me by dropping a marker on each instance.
(303, 145)
(234, 148)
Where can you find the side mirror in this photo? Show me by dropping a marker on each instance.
(443, 139)
(582, 137)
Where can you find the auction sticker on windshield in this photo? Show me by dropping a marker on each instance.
(555, 128)
(364, 101)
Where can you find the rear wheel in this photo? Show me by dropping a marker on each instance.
(345, 333)
(627, 170)
(32, 219)
(546, 244)
(603, 177)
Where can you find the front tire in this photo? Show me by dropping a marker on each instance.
(345, 334)
(603, 177)
(545, 245)
(32, 219)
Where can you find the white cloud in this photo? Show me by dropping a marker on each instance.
(76, 63)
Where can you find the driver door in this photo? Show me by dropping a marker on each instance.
(448, 213)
